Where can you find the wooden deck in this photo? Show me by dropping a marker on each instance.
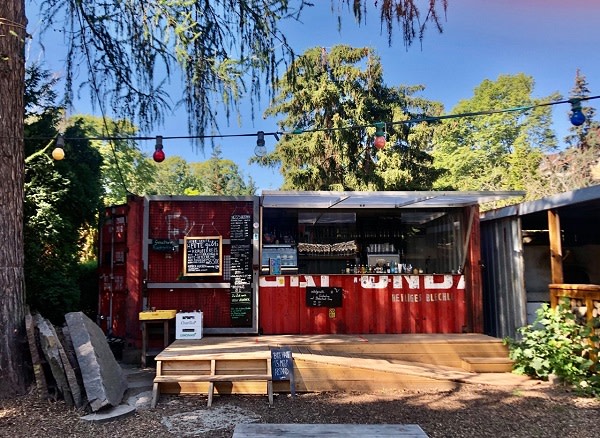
(344, 362)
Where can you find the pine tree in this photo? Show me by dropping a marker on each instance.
(580, 135)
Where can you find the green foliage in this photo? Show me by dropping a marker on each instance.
(221, 177)
(335, 99)
(172, 177)
(61, 199)
(499, 151)
(556, 344)
(125, 169)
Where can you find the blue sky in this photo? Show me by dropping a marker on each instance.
(482, 39)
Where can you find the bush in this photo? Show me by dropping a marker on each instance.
(555, 344)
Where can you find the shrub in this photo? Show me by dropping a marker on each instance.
(555, 344)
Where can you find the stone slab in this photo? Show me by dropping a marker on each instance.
(110, 414)
(296, 430)
(103, 379)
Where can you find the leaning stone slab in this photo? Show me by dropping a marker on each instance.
(49, 344)
(69, 373)
(38, 371)
(103, 379)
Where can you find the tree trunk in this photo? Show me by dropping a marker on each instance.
(12, 288)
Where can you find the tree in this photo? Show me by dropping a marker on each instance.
(581, 135)
(334, 101)
(125, 169)
(122, 45)
(62, 199)
(221, 177)
(498, 150)
(172, 177)
(222, 48)
(578, 165)
(12, 288)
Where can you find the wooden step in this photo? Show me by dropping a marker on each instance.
(487, 364)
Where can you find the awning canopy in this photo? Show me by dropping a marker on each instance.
(369, 200)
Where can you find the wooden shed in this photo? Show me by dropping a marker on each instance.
(535, 249)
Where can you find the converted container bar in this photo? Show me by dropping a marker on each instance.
(296, 262)
(371, 262)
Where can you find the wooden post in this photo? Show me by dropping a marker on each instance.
(472, 272)
(556, 267)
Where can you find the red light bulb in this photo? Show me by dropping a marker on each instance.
(159, 155)
(379, 142)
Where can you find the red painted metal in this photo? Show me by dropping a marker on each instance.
(375, 304)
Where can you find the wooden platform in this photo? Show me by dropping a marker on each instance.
(343, 362)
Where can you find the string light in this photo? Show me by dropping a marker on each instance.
(159, 155)
(577, 117)
(379, 142)
(59, 153)
(260, 150)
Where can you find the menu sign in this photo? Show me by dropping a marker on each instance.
(202, 255)
(240, 227)
(241, 270)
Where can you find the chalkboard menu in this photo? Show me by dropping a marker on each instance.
(241, 270)
(324, 296)
(240, 227)
(202, 255)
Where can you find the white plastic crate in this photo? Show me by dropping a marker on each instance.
(188, 325)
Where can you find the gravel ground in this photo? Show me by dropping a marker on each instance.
(469, 411)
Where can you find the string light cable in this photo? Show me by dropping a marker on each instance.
(577, 118)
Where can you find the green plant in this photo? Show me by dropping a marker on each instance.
(555, 344)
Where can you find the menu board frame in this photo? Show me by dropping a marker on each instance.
(210, 271)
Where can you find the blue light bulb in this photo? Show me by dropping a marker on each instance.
(577, 118)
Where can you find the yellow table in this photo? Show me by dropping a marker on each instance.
(158, 317)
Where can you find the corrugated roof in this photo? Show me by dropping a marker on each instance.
(581, 201)
(398, 199)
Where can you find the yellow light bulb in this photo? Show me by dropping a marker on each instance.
(58, 154)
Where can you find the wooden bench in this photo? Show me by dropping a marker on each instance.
(217, 374)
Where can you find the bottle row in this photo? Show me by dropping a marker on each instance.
(387, 268)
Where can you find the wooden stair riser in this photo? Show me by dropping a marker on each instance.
(487, 364)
